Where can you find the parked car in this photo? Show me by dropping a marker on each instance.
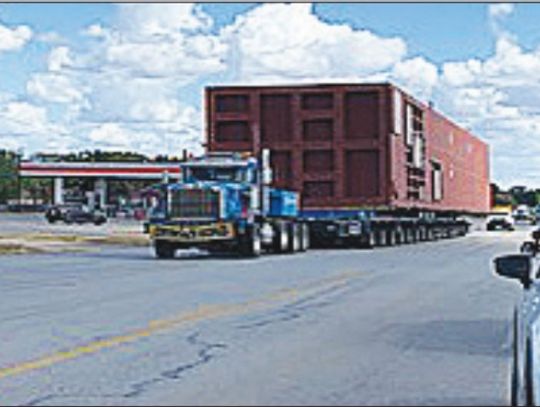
(523, 214)
(525, 373)
(74, 214)
(500, 220)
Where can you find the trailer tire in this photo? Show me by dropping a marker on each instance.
(422, 233)
(382, 239)
(304, 241)
(391, 237)
(370, 240)
(280, 242)
(164, 250)
(407, 235)
(251, 244)
(398, 232)
(294, 237)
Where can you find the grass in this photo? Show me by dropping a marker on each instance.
(16, 248)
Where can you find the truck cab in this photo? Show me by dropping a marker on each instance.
(225, 202)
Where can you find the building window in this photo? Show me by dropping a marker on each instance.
(436, 181)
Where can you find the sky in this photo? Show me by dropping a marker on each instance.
(131, 76)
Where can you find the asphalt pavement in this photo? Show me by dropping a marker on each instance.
(424, 324)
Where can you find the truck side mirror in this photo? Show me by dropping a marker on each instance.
(517, 266)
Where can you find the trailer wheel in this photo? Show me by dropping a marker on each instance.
(423, 234)
(398, 233)
(382, 238)
(368, 241)
(164, 250)
(391, 237)
(280, 242)
(304, 241)
(407, 235)
(294, 237)
(250, 244)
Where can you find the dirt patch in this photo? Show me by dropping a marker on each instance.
(122, 239)
(129, 240)
(57, 243)
(16, 248)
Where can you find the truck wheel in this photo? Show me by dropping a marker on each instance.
(294, 237)
(281, 238)
(251, 245)
(164, 250)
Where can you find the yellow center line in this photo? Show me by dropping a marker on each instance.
(203, 312)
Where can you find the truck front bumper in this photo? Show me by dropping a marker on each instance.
(199, 233)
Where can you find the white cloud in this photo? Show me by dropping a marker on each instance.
(59, 58)
(25, 125)
(12, 39)
(59, 84)
(52, 87)
(417, 76)
(96, 30)
(500, 10)
(288, 42)
(147, 20)
(50, 37)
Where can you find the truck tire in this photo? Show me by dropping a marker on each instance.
(304, 241)
(382, 239)
(294, 237)
(280, 242)
(251, 244)
(164, 250)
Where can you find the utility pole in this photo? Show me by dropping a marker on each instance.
(19, 156)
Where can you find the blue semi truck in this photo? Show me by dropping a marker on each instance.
(225, 203)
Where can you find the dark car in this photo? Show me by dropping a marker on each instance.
(74, 214)
(525, 373)
(500, 221)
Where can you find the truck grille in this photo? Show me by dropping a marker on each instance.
(194, 203)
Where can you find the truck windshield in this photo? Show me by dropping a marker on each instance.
(228, 174)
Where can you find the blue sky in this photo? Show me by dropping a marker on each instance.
(115, 76)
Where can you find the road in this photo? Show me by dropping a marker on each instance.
(424, 324)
